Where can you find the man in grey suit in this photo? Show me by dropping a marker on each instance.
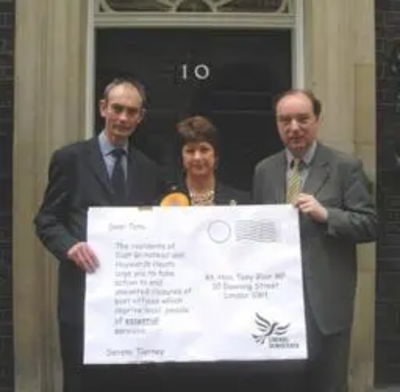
(332, 195)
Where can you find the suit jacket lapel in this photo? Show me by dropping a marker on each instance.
(280, 179)
(319, 172)
(97, 164)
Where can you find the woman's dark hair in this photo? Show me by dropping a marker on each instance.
(197, 129)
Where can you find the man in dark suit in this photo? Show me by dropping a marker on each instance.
(332, 195)
(103, 171)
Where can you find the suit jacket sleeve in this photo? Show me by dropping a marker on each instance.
(50, 221)
(356, 219)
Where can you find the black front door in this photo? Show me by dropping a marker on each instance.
(230, 76)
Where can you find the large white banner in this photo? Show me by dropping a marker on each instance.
(194, 284)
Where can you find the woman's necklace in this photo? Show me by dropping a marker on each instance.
(205, 198)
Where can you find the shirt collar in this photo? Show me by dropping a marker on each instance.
(106, 147)
(307, 157)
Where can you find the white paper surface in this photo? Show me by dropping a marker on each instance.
(194, 284)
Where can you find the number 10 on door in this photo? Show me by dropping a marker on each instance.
(199, 71)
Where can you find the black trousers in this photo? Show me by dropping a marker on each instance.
(71, 347)
(326, 369)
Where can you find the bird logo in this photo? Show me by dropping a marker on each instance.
(268, 329)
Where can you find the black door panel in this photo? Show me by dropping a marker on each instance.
(228, 75)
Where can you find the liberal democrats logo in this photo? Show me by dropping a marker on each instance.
(268, 329)
(273, 334)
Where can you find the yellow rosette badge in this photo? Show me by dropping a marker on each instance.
(175, 199)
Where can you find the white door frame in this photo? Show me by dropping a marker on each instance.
(260, 21)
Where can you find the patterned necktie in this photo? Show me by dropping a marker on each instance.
(293, 184)
(118, 177)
